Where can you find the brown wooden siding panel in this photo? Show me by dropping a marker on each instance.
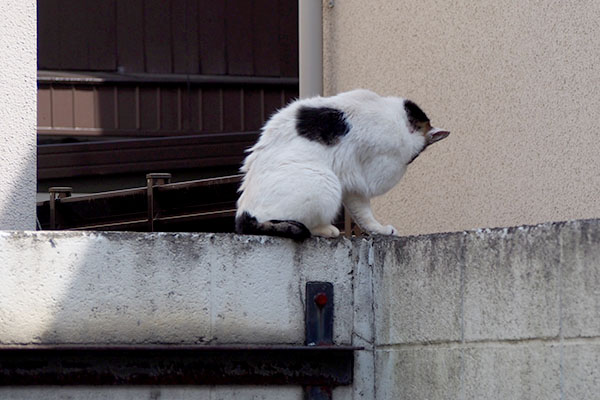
(102, 36)
(211, 33)
(142, 155)
(157, 38)
(149, 108)
(239, 37)
(191, 109)
(288, 37)
(48, 34)
(73, 35)
(62, 107)
(44, 106)
(184, 20)
(146, 167)
(170, 110)
(232, 110)
(105, 108)
(272, 101)
(265, 18)
(83, 107)
(220, 138)
(131, 110)
(162, 36)
(130, 35)
(212, 110)
(253, 109)
(127, 108)
(289, 96)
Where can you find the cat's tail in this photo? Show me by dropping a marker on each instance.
(249, 225)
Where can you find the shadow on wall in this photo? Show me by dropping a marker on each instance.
(17, 192)
(178, 288)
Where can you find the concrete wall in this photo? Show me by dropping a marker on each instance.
(18, 114)
(495, 314)
(85, 287)
(490, 314)
(514, 81)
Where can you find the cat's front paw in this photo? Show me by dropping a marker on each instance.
(384, 230)
(390, 230)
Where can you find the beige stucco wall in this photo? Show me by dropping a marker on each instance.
(517, 83)
(17, 114)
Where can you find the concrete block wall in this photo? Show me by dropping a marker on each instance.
(495, 314)
(490, 314)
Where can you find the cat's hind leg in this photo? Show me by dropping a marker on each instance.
(328, 231)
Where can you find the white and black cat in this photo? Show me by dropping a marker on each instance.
(319, 153)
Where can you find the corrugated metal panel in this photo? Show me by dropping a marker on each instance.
(157, 36)
(140, 110)
(48, 25)
(238, 36)
(62, 107)
(288, 37)
(101, 34)
(235, 37)
(84, 108)
(130, 35)
(211, 31)
(265, 38)
(186, 49)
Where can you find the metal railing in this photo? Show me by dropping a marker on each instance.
(198, 205)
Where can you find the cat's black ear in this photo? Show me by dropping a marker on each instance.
(416, 116)
(321, 124)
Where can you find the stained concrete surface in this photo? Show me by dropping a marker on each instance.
(492, 313)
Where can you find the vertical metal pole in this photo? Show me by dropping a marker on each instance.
(152, 180)
(56, 193)
(347, 223)
(318, 328)
(310, 43)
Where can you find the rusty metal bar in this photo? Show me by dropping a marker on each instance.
(176, 365)
(196, 216)
(347, 223)
(221, 180)
(152, 180)
(57, 193)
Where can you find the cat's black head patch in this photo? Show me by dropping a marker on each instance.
(321, 124)
(416, 116)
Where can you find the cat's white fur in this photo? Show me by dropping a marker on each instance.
(288, 177)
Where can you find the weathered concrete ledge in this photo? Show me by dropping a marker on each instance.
(87, 287)
(494, 313)
(490, 314)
